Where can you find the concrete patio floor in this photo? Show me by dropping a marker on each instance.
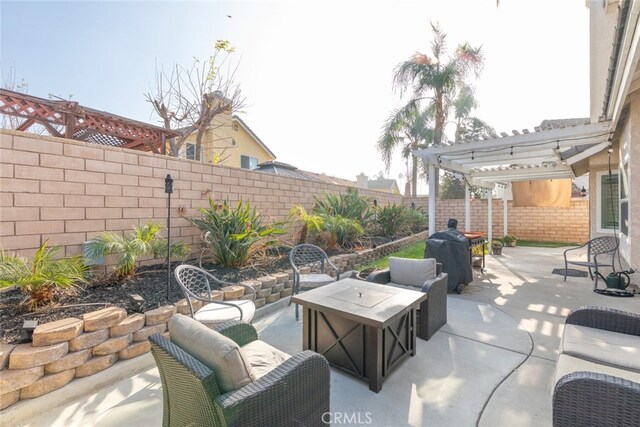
(492, 364)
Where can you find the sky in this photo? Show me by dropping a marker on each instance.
(317, 75)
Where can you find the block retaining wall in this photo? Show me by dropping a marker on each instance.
(73, 348)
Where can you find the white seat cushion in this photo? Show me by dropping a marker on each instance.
(568, 364)
(411, 272)
(611, 348)
(221, 354)
(314, 280)
(213, 314)
(262, 357)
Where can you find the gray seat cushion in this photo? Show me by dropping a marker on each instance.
(411, 272)
(315, 280)
(221, 354)
(568, 364)
(610, 348)
(213, 314)
(263, 357)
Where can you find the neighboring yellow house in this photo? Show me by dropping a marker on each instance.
(230, 142)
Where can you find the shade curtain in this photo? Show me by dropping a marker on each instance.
(542, 193)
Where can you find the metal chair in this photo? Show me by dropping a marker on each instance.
(317, 262)
(596, 249)
(196, 285)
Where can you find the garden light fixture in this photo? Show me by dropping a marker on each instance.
(27, 330)
(168, 188)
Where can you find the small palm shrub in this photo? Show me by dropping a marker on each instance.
(391, 219)
(142, 241)
(42, 277)
(348, 205)
(416, 220)
(235, 235)
(340, 231)
(310, 222)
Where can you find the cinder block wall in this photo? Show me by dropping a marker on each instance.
(69, 192)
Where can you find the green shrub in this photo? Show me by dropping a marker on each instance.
(343, 232)
(42, 276)
(391, 219)
(416, 220)
(350, 206)
(235, 235)
(142, 241)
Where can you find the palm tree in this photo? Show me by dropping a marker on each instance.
(468, 127)
(437, 78)
(409, 126)
(143, 240)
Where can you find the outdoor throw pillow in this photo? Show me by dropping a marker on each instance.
(214, 350)
(411, 272)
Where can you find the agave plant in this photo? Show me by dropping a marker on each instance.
(142, 241)
(391, 219)
(235, 235)
(348, 205)
(416, 220)
(43, 276)
(342, 231)
(310, 222)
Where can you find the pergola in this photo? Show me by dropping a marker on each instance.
(551, 151)
(67, 119)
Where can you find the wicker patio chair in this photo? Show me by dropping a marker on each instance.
(197, 284)
(432, 314)
(295, 393)
(316, 262)
(601, 252)
(597, 380)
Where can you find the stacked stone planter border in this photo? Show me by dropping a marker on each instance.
(74, 348)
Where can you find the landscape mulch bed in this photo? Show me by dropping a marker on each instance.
(150, 283)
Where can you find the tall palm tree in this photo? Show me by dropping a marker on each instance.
(410, 126)
(437, 78)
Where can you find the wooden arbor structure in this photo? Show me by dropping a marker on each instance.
(67, 119)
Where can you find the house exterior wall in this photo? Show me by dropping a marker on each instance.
(630, 154)
(599, 163)
(219, 138)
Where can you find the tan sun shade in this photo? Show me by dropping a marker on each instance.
(542, 193)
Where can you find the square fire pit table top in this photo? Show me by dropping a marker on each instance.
(367, 303)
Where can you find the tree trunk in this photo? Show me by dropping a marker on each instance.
(438, 131)
(303, 234)
(199, 136)
(414, 176)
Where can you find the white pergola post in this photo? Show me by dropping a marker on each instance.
(505, 213)
(432, 198)
(467, 207)
(489, 215)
